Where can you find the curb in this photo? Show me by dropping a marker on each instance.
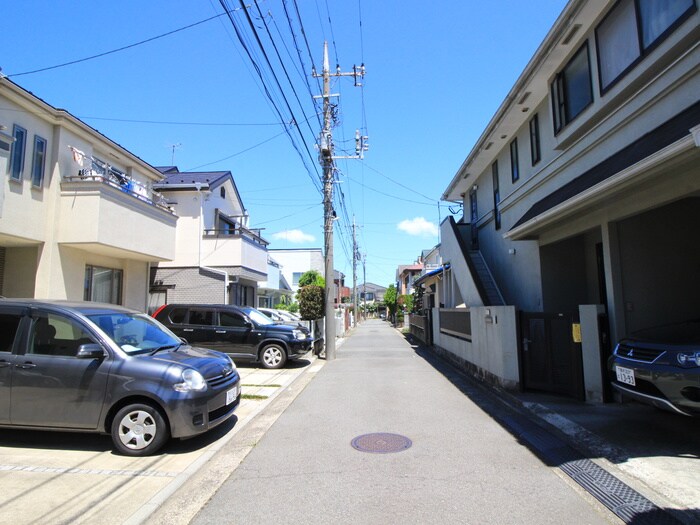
(166, 497)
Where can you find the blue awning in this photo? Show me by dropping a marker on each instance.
(431, 273)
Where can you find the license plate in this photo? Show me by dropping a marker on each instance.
(625, 375)
(231, 395)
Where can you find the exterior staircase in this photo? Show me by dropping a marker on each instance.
(493, 295)
(480, 273)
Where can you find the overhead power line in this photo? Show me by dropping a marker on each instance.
(123, 48)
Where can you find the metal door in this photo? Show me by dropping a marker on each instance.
(550, 354)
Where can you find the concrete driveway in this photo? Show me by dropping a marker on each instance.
(52, 477)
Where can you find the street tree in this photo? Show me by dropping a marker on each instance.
(391, 301)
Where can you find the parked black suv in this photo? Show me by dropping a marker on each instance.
(240, 331)
(660, 366)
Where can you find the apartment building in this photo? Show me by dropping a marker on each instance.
(581, 200)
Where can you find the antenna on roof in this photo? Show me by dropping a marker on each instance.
(174, 147)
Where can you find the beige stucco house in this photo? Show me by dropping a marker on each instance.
(78, 215)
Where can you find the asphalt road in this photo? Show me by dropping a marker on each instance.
(462, 466)
(288, 456)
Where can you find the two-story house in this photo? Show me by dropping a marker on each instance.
(581, 200)
(218, 259)
(79, 218)
(370, 293)
(405, 275)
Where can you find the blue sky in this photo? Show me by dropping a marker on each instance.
(436, 72)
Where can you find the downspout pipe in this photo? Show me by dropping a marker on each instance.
(198, 186)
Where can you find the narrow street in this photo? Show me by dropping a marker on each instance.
(444, 459)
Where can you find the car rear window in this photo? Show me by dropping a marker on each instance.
(178, 315)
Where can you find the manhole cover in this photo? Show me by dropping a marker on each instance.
(381, 443)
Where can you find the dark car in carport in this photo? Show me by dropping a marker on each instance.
(240, 331)
(661, 367)
(90, 367)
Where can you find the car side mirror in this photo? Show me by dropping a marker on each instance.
(91, 351)
(248, 323)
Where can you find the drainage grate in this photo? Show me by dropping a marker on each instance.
(628, 504)
(381, 443)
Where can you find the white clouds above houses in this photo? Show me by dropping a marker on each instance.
(293, 236)
(418, 226)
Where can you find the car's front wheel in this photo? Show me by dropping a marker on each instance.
(139, 430)
(273, 356)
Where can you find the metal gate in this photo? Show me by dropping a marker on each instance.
(550, 354)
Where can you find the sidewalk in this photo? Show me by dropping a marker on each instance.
(381, 436)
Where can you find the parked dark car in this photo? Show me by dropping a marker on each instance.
(240, 331)
(661, 367)
(93, 367)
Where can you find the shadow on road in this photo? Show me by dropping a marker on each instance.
(556, 449)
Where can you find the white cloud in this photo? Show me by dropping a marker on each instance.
(418, 226)
(293, 236)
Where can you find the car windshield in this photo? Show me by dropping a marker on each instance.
(257, 316)
(135, 333)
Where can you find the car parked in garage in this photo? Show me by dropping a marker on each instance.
(90, 367)
(240, 331)
(660, 366)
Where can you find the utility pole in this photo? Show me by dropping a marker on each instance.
(355, 255)
(364, 278)
(326, 159)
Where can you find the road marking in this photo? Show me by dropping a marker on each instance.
(101, 472)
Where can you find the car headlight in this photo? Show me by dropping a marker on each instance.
(192, 381)
(688, 359)
(298, 334)
(233, 365)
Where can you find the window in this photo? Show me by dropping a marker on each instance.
(295, 277)
(658, 16)
(232, 319)
(201, 317)
(473, 219)
(535, 153)
(17, 155)
(39, 161)
(226, 225)
(222, 192)
(631, 29)
(56, 335)
(514, 167)
(572, 91)
(178, 315)
(9, 324)
(103, 285)
(496, 196)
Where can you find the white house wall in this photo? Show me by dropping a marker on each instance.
(298, 261)
(493, 351)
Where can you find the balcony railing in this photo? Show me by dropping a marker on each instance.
(242, 231)
(123, 183)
